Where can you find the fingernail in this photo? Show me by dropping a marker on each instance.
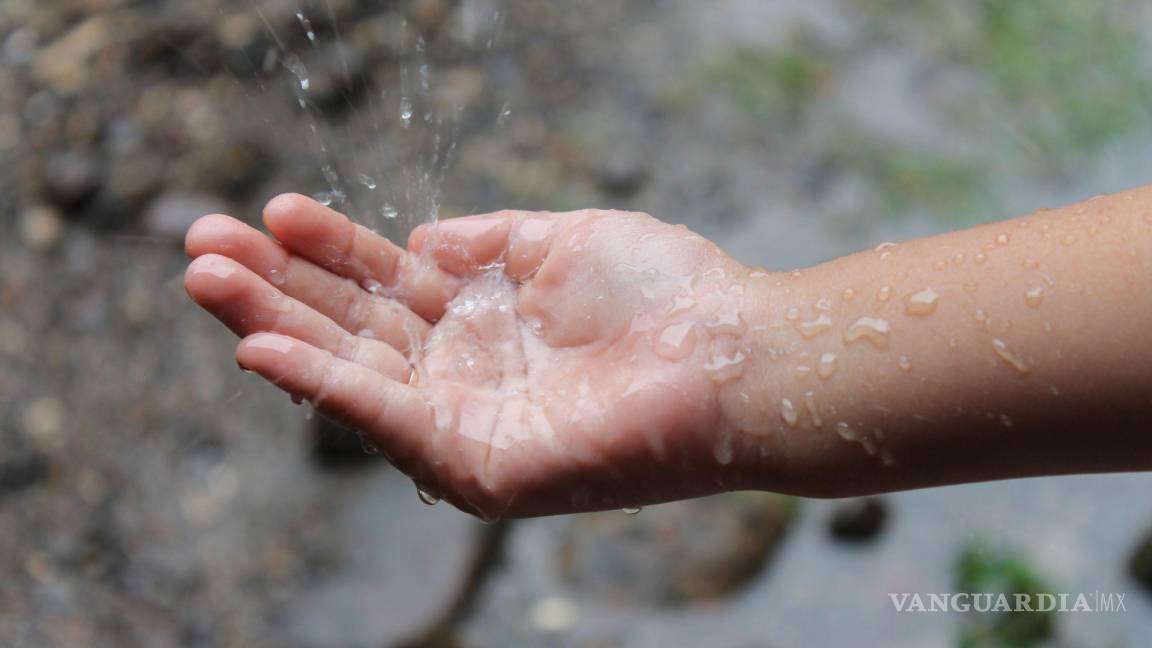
(277, 343)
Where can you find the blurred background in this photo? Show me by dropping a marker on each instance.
(153, 495)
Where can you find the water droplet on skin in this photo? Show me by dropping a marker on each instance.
(922, 303)
(1068, 240)
(980, 315)
(405, 111)
(905, 364)
(1054, 390)
(1031, 264)
(276, 277)
(324, 198)
(630, 510)
(940, 265)
(1035, 296)
(970, 286)
(827, 365)
(814, 327)
(426, 497)
(373, 286)
(792, 314)
(873, 329)
(980, 258)
(367, 446)
(723, 448)
(1013, 359)
(297, 399)
(813, 411)
(801, 372)
(1006, 421)
(959, 258)
(823, 304)
(884, 293)
(725, 368)
(846, 432)
(1047, 328)
(676, 341)
(1003, 239)
(788, 412)
(848, 294)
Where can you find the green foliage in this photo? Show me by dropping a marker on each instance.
(1070, 72)
(776, 86)
(979, 568)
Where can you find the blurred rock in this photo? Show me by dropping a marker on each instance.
(22, 469)
(44, 422)
(859, 520)
(70, 178)
(406, 564)
(41, 227)
(674, 554)
(335, 447)
(622, 175)
(171, 214)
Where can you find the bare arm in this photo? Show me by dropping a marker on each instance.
(1013, 349)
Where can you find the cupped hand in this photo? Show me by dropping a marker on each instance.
(514, 364)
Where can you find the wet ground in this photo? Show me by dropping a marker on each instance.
(151, 494)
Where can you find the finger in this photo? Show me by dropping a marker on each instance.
(328, 239)
(393, 414)
(464, 246)
(247, 304)
(337, 298)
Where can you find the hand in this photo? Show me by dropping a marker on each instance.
(515, 363)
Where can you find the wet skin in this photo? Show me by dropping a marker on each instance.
(545, 380)
(525, 363)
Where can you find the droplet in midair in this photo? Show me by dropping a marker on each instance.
(405, 111)
(873, 329)
(307, 25)
(1035, 296)
(922, 303)
(505, 112)
(1009, 356)
(388, 211)
(367, 181)
(296, 67)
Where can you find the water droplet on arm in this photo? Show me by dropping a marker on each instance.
(873, 329)
(814, 327)
(676, 341)
(922, 303)
(1010, 357)
(827, 365)
(1035, 296)
(788, 412)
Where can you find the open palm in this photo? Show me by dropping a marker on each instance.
(515, 364)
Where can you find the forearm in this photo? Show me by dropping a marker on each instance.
(1012, 349)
